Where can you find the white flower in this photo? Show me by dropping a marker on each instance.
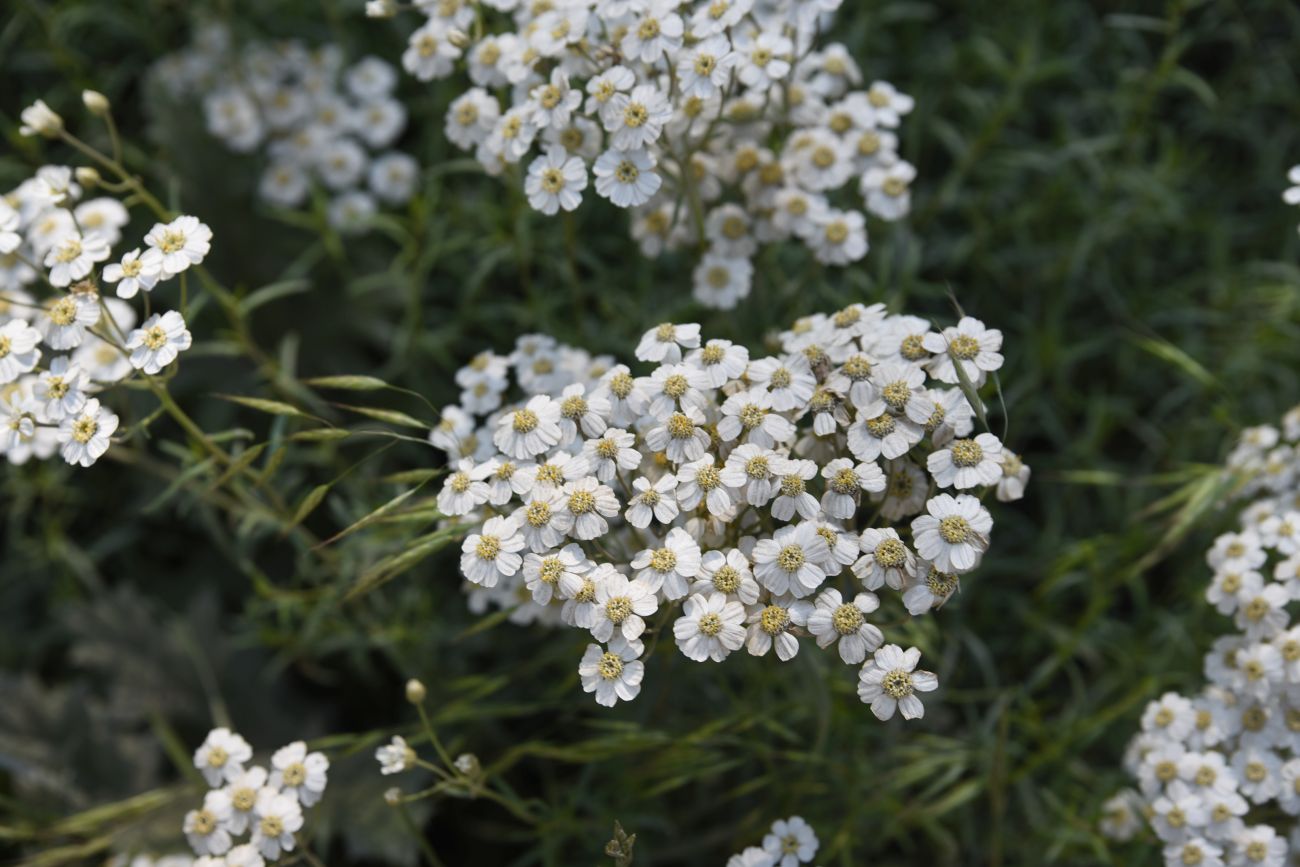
(668, 568)
(721, 281)
(395, 756)
(465, 488)
(792, 491)
(279, 817)
(157, 342)
(102, 216)
(626, 178)
(728, 573)
(700, 480)
(553, 103)
(969, 344)
(530, 430)
(240, 856)
(73, 257)
(471, 117)
(710, 627)
(581, 410)
(299, 773)
(706, 67)
(553, 572)
(755, 472)
(1015, 477)
(888, 104)
(658, 31)
(764, 58)
(789, 561)
(611, 674)
(652, 500)
(488, 556)
(39, 119)
(832, 619)
(243, 791)
(431, 53)
(886, 190)
(61, 389)
(136, 271)
(719, 361)
(221, 756)
(635, 120)
(603, 89)
(587, 504)
(770, 624)
(66, 319)
(664, 343)
(791, 842)
(929, 589)
(182, 243)
(887, 560)
(206, 828)
(555, 180)
(844, 481)
(682, 436)
(889, 681)
(790, 380)
(967, 463)
(1261, 847)
(19, 349)
(954, 535)
(611, 453)
(622, 606)
(838, 237)
(392, 177)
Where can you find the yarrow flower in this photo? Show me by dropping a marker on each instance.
(722, 125)
(1218, 773)
(721, 491)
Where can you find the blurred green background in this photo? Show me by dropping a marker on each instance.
(1099, 180)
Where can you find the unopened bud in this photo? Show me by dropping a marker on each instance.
(87, 176)
(467, 764)
(39, 119)
(96, 103)
(380, 8)
(415, 691)
(393, 796)
(457, 37)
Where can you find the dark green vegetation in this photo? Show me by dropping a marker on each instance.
(1101, 183)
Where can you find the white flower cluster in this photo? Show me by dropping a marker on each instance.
(1291, 195)
(317, 120)
(722, 123)
(730, 493)
(1219, 773)
(791, 842)
(267, 805)
(59, 353)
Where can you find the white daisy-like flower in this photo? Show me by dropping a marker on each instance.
(789, 561)
(157, 342)
(886, 559)
(279, 817)
(681, 436)
(61, 389)
(611, 674)
(622, 607)
(792, 494)
(19, 349)
(954, 535)
(652, 501)
(555, 572)
(699, 482)
(239, 856)
(465, 488)
(206, 828)
(611, 453)
(395, 756)
(844, 484)
(135, 271)
(833, 620)
(242, 792)
(722, 281)
(763, 58)
(554, 102)
(431, 52)
(530, 430)
(749, 414)
(84, 436)
(727, 573)
(604, 87)
(668, 568)
(183, 243)
(770, 625)
(626, 178)
(635, 120)
(299, 773)
(888, 104)
(929, 588)
(221, 756)
(555, 180)
(586, 506)
(838, 237)
(718, 361)
(705, 68)
(664, 343)
(65, 319)
(755, 472)
(656, 32)
(711, 627)
(791, 842)
(967, 463)
(968, 343)
(74, 256)
(889, 681)
(492, 554)
(39, 119)
(1015, 477)
(790, 380)
(887, 189)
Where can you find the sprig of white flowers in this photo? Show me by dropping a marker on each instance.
(791, 842)
(1219, 773)
(721, 123)
(316, 120)
(729, 494)
(248, 799)
(63, 351)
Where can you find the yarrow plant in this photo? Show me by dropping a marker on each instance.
(791, 842)
(721, 124)
(266, 804)
(753, 502)
(317, 121)
(64, 345)
(1219, 772)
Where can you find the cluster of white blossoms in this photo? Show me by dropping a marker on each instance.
(1291, 195)
(791, 842)
(722, 124)
(752, 501)
(62, 344)
(316, 120)
(1219, 772)
(266, 804)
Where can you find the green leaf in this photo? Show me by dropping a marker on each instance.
(272, 292)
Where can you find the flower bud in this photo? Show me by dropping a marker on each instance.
(380, 8)
(467, 764)
(415, 691)
(393, 796)
(39, 119)
(457, 37)
(87, 176)
(96, 103)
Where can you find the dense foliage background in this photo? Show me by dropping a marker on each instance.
(1101, 181)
